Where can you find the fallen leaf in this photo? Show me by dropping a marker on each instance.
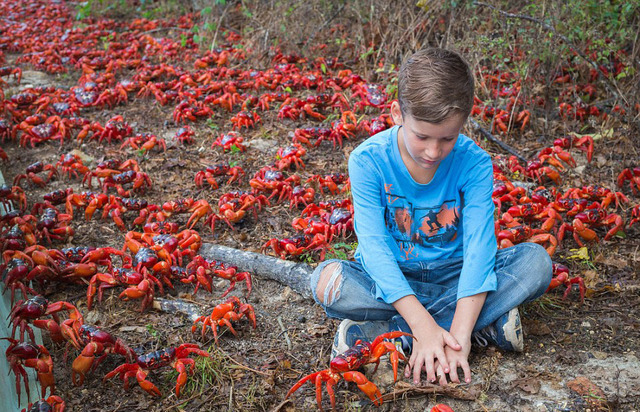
(591, 278)
(318, 330)
(589, 390)
(536, 328)
(529, 385)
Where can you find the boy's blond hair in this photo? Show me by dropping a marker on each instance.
(434, 85)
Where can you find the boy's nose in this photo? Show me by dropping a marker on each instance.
(432, 151)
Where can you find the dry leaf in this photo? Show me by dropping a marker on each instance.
(318, 330)
(536, 328)
(529, 385)
(589, 390)
(591, 278)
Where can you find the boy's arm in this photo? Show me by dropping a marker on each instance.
(479, 243)
(465, 317)
(374, 241)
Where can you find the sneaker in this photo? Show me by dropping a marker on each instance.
(505, 333)
(350, 331)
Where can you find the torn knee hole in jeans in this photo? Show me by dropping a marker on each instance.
(332, 289)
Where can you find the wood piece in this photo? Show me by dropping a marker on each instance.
(467, 393)
(477, 128)
(293, 274)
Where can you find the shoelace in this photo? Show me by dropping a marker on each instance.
(480, 340)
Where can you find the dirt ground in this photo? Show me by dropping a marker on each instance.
(569, 344)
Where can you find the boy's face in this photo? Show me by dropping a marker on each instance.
(427, 143)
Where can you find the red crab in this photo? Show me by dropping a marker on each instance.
(8, 71)
(108, 168)
(23, 354)
(13, 194)
(31, 310)
(190, 110)
(223, 314)
(72, 164)
(228, 141)
(272, 180)
(245, 119)
(185, 135)
(232, 207)
(210, 172)
(345, 367)
(176, 357)
(140, 284)
(144, 141)
(561, 277)
(302, 194)
(115, 129)
(54, 225)
(51, 404)
(139, 180)
(631, 175)
(31, 173)
(290, 155)
(297, 245)
(95, 341)
(203, 270)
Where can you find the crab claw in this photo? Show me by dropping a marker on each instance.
(365, 385)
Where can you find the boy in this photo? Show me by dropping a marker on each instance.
(427, 261)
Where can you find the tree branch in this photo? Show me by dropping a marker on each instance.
(477, 128)
(293, 274)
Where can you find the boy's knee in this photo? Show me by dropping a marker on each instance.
(328, 286)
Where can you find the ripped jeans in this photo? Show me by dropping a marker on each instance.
(523, 273)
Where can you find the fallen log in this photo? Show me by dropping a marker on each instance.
(293, 274)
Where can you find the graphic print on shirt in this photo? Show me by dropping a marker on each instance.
(425, 226)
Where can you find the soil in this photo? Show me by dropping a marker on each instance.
(568, 342)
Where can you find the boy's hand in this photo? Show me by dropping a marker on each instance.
(456, 359)
(432, 345)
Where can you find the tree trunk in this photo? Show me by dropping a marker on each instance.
(293, 274)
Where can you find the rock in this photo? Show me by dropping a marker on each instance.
(86, 159)
(262, 145)
(30, 78)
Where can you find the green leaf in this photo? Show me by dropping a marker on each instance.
(323, 67)
(205, 11)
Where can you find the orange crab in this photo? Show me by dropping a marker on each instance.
(223, 314)
(345, 366)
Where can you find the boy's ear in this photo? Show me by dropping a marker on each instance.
(396, 113)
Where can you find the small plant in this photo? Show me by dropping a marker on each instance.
(340, 250)
(211, 124)
(152, 330)
(213, 371)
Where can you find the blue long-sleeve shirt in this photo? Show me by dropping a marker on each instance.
(398, 219)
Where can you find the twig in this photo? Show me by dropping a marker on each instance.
(215, 35)
(313, 35)
(183, 401)
(280, 405)
(477, 128)
(243, 366)
(286, 334)
(469, 393)
(231, 398)
(613, 88)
